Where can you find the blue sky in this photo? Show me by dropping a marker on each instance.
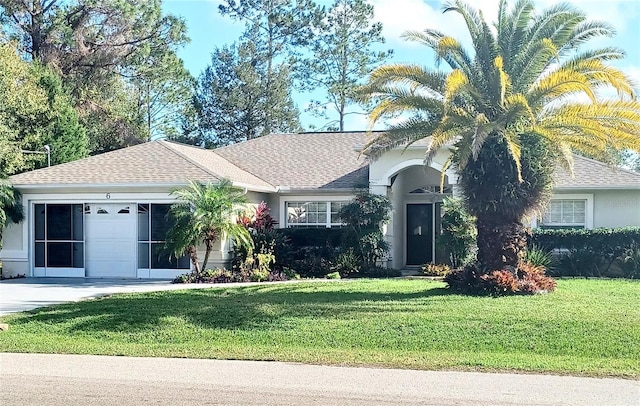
(208, 29)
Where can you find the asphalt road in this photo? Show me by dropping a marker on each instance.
(39, 379)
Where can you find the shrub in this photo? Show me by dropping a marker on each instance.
(266, 240)
(333, 275)
(312, 266)
(219, 275)
(348, 264)
(526, 279)
(364, 217)
(458, 236)
(539, 257)
(580, 262)
(253, 269)
(435, 269)
(597, 252)
(379, 272)
(630, 263)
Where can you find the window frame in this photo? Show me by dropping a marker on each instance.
(588, 212)
(48, 241)
(150, 242)
(284, 217)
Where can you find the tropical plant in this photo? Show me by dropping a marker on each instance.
(364, 217)
(538, 256)
(509, 109)
(204, 213)
(10, 206)
(458, 237)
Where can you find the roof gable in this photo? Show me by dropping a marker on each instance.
(304, 160)
(591, 174)
(153, 163)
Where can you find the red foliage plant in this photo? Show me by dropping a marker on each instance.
(260, 221)
(525, 279)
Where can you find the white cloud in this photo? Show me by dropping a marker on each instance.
(399, 16)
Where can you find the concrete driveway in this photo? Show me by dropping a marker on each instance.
(17, 295)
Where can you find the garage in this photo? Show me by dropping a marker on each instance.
(110, 239)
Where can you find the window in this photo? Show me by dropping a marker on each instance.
(314, 214)
(59, 235)
(152, 229)
(569, 213)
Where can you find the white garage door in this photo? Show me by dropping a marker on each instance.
(110, 240)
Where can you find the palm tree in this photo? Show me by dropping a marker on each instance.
(10, 206)
(204, 214)
(523, 98)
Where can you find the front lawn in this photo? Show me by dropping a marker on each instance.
(587, 327)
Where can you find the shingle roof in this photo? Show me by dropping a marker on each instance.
(304, 160)
(156, 162)
(590, 174)
(295, 161)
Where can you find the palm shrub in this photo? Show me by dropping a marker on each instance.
(204, 214)
(10, 206)
(510, 109)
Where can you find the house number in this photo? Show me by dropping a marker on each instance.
(108, 196)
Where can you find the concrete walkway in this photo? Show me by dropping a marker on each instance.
(18, 295)
(38, 379)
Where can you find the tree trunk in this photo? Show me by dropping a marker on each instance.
(193, 255)
(206, 257)
(502, 242)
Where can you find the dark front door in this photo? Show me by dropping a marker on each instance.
(419, 234)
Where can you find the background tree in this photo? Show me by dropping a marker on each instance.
(342, 55)
(35, 111)
(94, 45)
(204, 214)
(62, 130)
(231, 101)
(508, 108)
(275, 30)
(10, 206)
(164, 88)
(22, 101)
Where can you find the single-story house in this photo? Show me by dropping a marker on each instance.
(104, 216)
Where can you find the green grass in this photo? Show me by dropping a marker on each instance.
(586, 327)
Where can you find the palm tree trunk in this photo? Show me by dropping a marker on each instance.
(208, 243)
(502, 242)
(193, 255)
(206, 257)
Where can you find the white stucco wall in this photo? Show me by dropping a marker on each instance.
(382, 169)
(616, 208)
(13, 254)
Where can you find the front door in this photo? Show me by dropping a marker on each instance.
(111, 240)
(419, 234)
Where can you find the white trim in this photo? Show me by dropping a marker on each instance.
(588, 215)
(14, 255)
(58, 272)
(134, 186)
(385, 180)
(308, 198)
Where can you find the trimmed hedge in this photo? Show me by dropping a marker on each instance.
(313, 237)
(609, 252)
(600, 239)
